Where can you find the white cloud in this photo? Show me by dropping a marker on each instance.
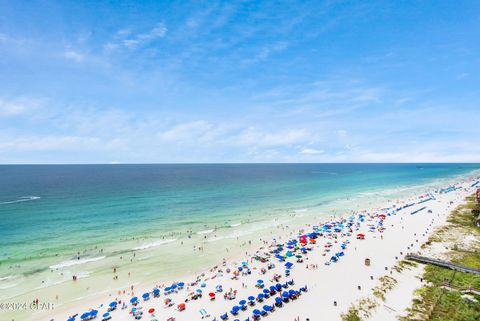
(254, 137)
(126, 38)
(267, 51)
(191, 131)
(73, 55)
(17, 106)
(53, 143)
(310, 151)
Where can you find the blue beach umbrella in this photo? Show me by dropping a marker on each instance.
(256, 312)
(85, 315)
(260, 281)
(251, 298)
(266, 291)
(106, 315)
(134, 299)
(199, 291)
(93, 313)
(278, 300)
(285, 294)
(145, 295)
(113, 304)
(267, 308)
(291, 292)
(156, 291)
(71, 319)
(288, 265)
(278, 286)
(272, 288)
(242, 302)
(235, 308)
(181, 284)
(260, 296)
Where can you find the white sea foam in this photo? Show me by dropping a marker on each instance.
(154, 244)
(21, 199)
(205, 232)
(301, 210)
(214, 239)
(6, 278)
(76, 262)
(235, 224)
(8, 286)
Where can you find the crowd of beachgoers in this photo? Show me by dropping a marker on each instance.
(277, 274)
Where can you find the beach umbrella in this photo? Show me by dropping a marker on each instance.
(260, 281)
(288, 265)
(86, 315)
(260, 296)
(106, 315)
(156, 291)
(113, 304)
(211, 294)
(285, 294)
(224, 316)
(267, 308)
(167, 301)
(291, 292)
(236, 308)
(181, 284)
(145, 295)
(251, 298)
(242, 302)
(278, 286)
(151, 310)
(278, 300)
(272, 288)
(181, 306)
(71, 319)
(266, 291)
(199, 291)
(93, 313)
(167, 289)
(256, 312)
(173, 286)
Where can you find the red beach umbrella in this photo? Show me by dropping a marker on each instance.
(151, 310)
(211, 294)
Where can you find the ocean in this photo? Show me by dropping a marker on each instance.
(57, 221)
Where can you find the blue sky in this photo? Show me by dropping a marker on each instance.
(239, 81)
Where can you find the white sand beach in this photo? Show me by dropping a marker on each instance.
(391, 231)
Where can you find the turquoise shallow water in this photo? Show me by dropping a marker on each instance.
(50, 213)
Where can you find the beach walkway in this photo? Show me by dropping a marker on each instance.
(445, 264)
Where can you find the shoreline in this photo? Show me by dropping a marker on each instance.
(288, 232)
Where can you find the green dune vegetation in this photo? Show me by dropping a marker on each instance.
(447, 294)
